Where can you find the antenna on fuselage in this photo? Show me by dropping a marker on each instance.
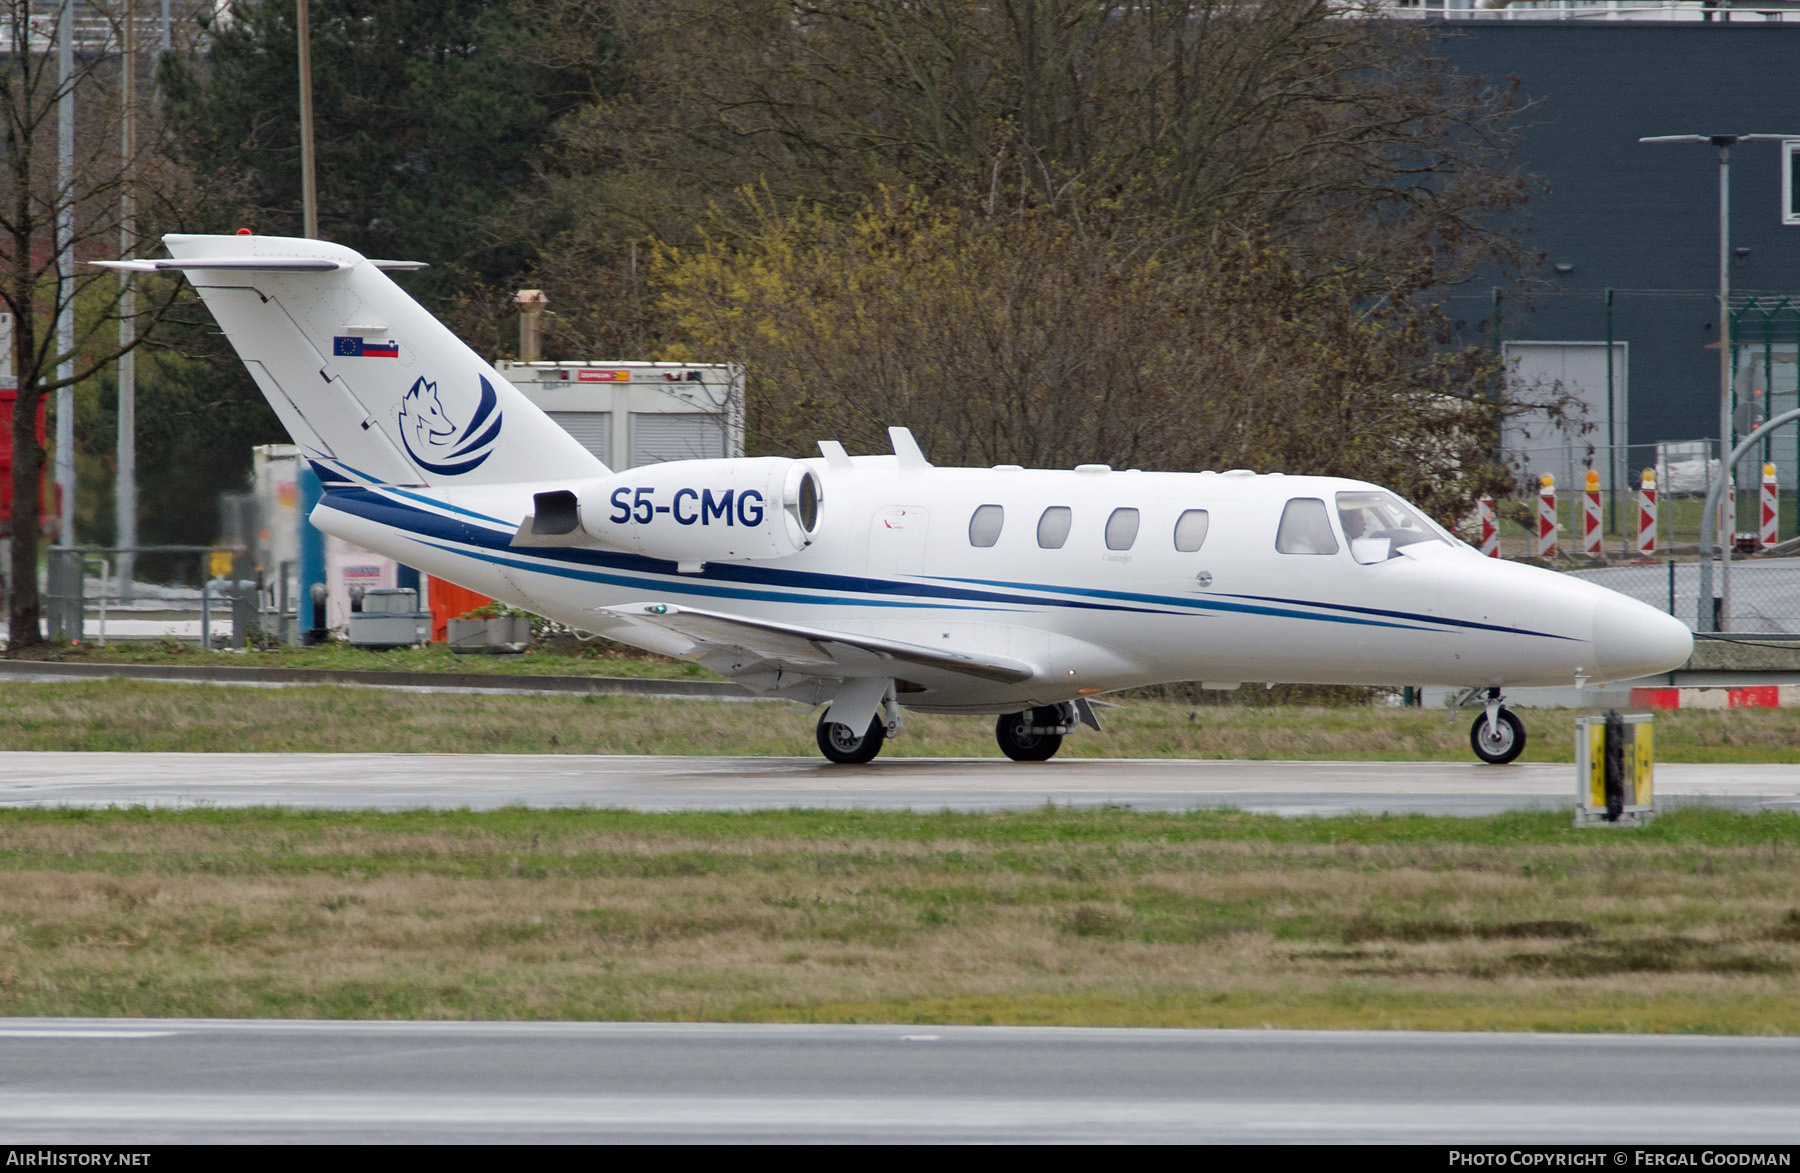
(906, 449)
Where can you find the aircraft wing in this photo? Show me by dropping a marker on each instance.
(810, 651)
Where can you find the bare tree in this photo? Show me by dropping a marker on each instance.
(1027, 337)
(55, 214)
(1310, 122)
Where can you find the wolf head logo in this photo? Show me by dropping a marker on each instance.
(424, 411)
(433, 439)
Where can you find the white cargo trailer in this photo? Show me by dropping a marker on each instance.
(634, 413)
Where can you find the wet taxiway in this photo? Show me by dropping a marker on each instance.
(487, 781)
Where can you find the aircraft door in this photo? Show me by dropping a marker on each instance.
(897, 540)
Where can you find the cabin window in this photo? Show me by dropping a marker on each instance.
(1377, 524)
(1190, 530)
(984, 527)
(1053, 527)
(1121, 529)
(1305, 528)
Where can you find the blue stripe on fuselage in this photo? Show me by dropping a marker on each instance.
(768, 584)
(629, 570)
(1466, 623)
(1212, 604)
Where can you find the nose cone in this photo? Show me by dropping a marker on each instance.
(1632, 639)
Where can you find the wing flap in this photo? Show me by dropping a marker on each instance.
(811, 650)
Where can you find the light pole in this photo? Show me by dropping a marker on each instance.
(65, 272)
(125, 528)
(1724, 142)
(309, 191)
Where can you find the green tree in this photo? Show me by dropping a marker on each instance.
(427, 123)
(428, 126)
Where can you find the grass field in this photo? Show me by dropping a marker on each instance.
(1205, 919)
(128, 715)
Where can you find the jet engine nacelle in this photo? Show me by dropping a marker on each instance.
(705, 510)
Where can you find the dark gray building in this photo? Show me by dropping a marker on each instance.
(1643, 219)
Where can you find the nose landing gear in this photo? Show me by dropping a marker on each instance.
(1497, 736)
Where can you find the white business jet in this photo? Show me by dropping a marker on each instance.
(873, 584)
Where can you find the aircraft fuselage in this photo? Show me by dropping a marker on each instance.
(893, 557)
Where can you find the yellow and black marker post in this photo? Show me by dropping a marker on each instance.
(1614, 768)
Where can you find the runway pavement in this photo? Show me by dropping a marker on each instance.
(123, 1081)
(484, 782)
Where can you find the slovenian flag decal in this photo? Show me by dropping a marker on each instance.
(344, 347)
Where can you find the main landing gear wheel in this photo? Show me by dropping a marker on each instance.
(1501, 744)
(1017, 741)
(841, 744)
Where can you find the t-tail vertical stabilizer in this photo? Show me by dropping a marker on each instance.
(363, 377)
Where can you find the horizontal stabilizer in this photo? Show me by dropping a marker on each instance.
(253, 265)
(808, 650)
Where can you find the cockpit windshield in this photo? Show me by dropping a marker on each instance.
(1378, 524)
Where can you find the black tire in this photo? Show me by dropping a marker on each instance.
(841, 745)
(1021, 745)
(1507, 742)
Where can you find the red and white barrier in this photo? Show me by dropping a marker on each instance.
(1490, 527)
(1757, 696)
(1769, 516)
(1646, 532)
(1546, 543)
(1591, 530)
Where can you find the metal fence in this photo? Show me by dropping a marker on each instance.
(82, 590)
(1765, 592)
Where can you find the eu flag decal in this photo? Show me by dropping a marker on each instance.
(348, 347)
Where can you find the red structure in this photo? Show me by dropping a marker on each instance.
(449, 601)
(46, 502)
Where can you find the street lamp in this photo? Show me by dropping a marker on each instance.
(1724, 142)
